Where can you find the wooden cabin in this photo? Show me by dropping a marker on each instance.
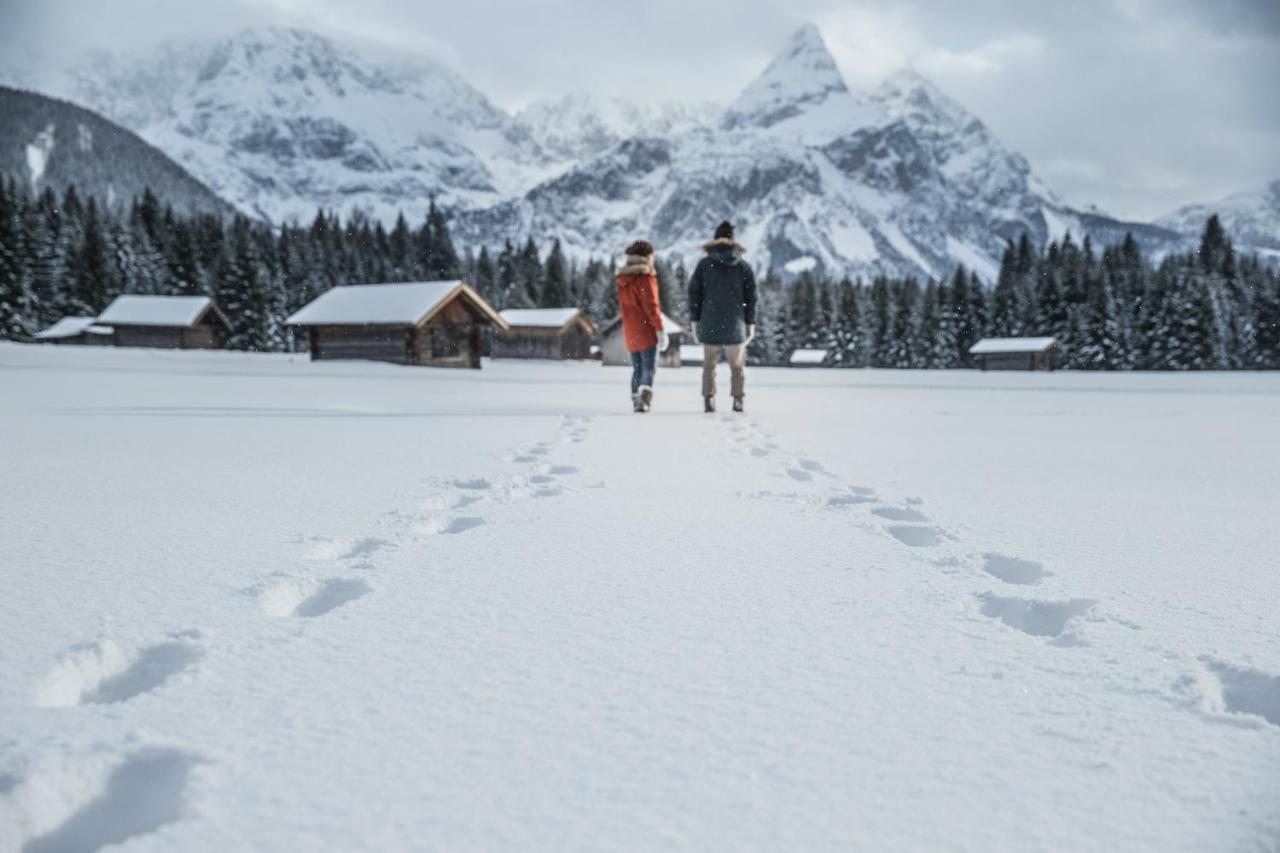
(613, 346)
(166, 322)
(1016, 353)
(76, 331)
(810, 358)
(557, 333)
(433, 323)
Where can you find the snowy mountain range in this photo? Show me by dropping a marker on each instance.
(899, 180)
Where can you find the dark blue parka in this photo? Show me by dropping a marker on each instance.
(722, 295)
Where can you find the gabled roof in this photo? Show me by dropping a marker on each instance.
(183, 311)
(809, 356)
(541, 318)
(408, 304)
(67, 327)
(993, 345)
(670, 326)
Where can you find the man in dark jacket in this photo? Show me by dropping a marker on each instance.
(722, 306)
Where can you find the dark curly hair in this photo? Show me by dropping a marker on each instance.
(640, 247)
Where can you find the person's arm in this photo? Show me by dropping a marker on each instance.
(652, 304)
(695, 293)
(748, 295)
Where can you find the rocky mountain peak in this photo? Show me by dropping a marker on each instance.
(802, 80)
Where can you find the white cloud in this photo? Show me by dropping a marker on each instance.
(992, 57)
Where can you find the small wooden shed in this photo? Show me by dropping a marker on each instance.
(613, 346)
(1016, 353)
(77, 331)
(167, 322)
(810, 358)
(558, 333)
(434, 323)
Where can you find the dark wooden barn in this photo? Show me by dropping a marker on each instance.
(435, 323)
(76, 331)
(557, 333)
(167, 322)
(1016, 353)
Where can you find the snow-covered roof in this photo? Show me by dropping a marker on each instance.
(97, 329)
(541, 318)
(384, 304)
(67, 327)
(155, 311)
(691, 352)
(809, 356)
(990, 345)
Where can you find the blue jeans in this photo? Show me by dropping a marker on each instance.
(643, 366)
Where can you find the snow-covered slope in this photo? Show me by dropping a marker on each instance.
(46, 143)
(1252, 218)
(579, 125)
(256, 603)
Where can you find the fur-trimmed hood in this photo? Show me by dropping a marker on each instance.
(724, 241)
(637, 265)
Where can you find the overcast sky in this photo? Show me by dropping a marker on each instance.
(1137, 106)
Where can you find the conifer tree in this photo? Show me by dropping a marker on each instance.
(555, 280)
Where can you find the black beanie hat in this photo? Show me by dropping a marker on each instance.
(640, 247)
(724, 231)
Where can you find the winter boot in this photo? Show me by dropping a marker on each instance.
(737, 404)
(636, 405)
(646, 398)
(709, 405)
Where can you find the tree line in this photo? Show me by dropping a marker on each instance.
(1111, 310)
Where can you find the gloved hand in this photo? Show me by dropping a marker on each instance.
(663, 340)
(751, 333)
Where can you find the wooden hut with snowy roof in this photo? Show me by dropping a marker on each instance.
(613, 346)
(557, 333)
(434, 323)
(1016, 353)
(82, 331)
(167, 322)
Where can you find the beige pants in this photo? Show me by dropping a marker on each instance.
(736, 355)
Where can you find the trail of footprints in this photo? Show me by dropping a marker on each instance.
(144, 790)
(1217, 687)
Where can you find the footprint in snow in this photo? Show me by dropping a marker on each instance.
(843, 501)
(759, 451)
(1036, 617)
(1242, 690)
(559, 470)
(915, 535)
(900, 513)
(143, 793)
(105, 672)
(1013, 570)
(474, 484)
(286, 596)
(447, 525)
(799, 475)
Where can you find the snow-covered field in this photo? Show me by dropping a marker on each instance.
(251, 602)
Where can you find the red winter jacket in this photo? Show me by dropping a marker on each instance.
(638, 301)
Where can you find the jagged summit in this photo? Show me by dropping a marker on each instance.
(801, 90)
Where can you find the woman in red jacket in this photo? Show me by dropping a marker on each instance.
(641, 320)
